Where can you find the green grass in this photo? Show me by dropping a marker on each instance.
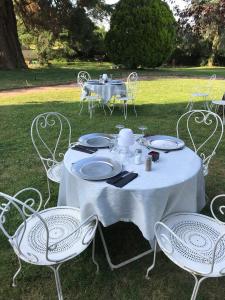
(159, 104)
(61, 73)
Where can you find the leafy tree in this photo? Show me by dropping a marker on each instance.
(49, 16)
(207, 19)
(142, 33)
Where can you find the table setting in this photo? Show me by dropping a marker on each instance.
(131, 177)
(105, 87)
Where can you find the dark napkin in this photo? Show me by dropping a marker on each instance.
(122, 181)
(116, 178)
(84, 149)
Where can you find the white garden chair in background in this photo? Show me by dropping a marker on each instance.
(48, 237)
(131, 92)
(48, 148)
(204, 119)
(82, 78)
(219, 104)
(194, 242)
(204, 92)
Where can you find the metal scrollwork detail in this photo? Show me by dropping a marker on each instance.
(50, 156)
(209, 119)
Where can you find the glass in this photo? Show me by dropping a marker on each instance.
(119, 127)
(143, 128)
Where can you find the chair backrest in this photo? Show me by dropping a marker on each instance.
(210, 87)
(132, 85)
(46, 146)
(11, 206)
(82, 77)
(205, 87)
(207, 120)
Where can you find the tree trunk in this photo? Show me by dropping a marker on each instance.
(11, 56)
(215, 46)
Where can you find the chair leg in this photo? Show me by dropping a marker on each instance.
(82, 105)
(196, 286)
(103, 107)
(125, 109)
(189, 106)
(57, 281)
(17, 272)
(93, 256)
(90, 107)
(153, 263)
(49, 193)
(109, 109)
(134, 107)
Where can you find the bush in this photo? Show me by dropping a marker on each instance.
(142, 33)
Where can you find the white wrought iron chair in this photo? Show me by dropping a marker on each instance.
(194, 242)
(131, 92)
(203, 92)
(82, 78)
(214, 125)
(48, 237)
(48, 151)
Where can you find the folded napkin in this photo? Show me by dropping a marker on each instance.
(122, 179)
(85, 149)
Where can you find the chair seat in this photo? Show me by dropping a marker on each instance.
(123, 98)
(91, 98)
(200, 95)
(198, 232)
(61, 221)
(219, 102)
(54, 173)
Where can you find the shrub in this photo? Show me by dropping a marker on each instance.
(142, 33)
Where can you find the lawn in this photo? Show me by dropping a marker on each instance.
(61, 73)
(159, 104)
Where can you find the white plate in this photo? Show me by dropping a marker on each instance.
(164, 142)
(96, 168)
(98, 140)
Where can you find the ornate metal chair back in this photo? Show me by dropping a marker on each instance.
(205, 147)
(132, 85)
(83, 77)
(48, 148)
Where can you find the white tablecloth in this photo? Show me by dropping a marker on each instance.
(105, 91)
(175, 184)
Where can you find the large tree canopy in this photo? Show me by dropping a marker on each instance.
(48, 18)
(206, 19)
(142, 33)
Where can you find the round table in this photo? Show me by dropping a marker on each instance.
(105, 90)
(175, 184)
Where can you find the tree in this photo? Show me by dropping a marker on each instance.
(141, 33)
(11, 56)
(52, 16)
(207, 19)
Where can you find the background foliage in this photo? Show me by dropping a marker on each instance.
(141, 34)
